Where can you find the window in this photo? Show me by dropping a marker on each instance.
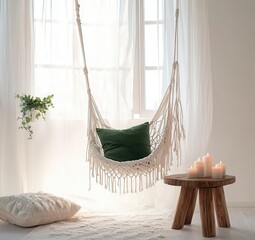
(152, 83)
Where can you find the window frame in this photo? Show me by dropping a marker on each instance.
(139, 83)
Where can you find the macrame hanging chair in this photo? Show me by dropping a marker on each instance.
(166, 131)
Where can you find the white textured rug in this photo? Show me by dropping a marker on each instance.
(125, 226)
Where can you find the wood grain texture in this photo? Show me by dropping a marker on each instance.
(207, 212)
(185, 198)
(182, 180)
(221, 207)
(191, 208)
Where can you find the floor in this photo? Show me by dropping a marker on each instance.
(155, 225)
(242, 226)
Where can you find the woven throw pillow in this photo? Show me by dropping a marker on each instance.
(32, 209)
(127, 144)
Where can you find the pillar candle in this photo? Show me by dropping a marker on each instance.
(208, 165)
(223, 167)
(200, 167)
(216, 172)
(191, 172)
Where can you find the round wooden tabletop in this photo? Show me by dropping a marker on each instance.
(182, 180)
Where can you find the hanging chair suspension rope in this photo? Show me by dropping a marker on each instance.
(175, 103)
(176, 34)
(78, 19)
(92, 103)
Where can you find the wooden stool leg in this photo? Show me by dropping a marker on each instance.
(185, 197)
(191, 208)
(221, 207)
(207, 212)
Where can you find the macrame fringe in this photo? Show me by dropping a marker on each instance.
(131, 176)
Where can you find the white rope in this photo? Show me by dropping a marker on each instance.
(166, 132)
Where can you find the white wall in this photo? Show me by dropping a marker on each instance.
(232, 33)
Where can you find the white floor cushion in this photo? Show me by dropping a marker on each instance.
(32, 209)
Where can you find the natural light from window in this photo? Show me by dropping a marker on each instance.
(56, 51)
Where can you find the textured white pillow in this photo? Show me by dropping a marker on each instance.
(32, 209)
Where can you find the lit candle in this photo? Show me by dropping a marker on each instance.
(216, 172)
(223, 167)
(200, 167)
(191, 172)
(208, 165)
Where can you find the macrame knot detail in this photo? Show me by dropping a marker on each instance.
(78, 20)
(77, 8)
(175, 64)
(85, 70)
(77, 13)
(177, 12)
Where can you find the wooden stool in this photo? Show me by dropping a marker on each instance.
(209, 189)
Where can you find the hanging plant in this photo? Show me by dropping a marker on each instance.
(32, 108)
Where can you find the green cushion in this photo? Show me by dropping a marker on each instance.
(127, 144)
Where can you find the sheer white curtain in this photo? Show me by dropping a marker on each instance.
(54, 161)
(196, 72)
(16, 76)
